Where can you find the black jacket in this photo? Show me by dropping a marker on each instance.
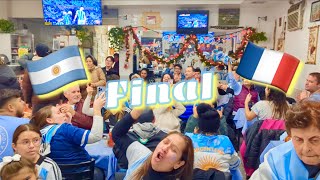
(257, 139)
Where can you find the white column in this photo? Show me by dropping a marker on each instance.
(100, 44)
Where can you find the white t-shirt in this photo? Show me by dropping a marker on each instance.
(263, 109)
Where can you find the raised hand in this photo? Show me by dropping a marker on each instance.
(89, 90)
(195, 113)
(99, 102)
(248, 99)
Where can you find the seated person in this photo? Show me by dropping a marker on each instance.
(274, 107)
(26, 142)
(213, 151)
(298, 158)
(241, 89)
(74, 106)
(144, 132)
(172, 158)
(17, 167)
(224, 95)
(63, 142)
(110, 116)
(193, 120)
(166, 117)
(11, 113)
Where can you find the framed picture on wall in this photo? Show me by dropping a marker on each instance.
(151, 20)
(312, 48)
(315, 11)
(229, 17)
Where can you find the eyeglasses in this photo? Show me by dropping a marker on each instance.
(35, 142)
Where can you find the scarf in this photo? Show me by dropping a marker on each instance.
(47, 134)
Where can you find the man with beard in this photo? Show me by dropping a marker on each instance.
(11, 113)
(74, 106)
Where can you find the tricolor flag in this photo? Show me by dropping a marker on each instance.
(56, 70)
(267, 66)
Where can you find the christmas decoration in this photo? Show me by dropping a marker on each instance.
(127, 31)
(116, 38)
(190, 39)
(249, 34)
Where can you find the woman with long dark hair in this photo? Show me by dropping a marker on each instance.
(172, 158)
(274, 107)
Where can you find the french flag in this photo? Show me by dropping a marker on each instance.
(267, 66)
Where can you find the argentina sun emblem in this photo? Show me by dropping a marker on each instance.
(56, 70)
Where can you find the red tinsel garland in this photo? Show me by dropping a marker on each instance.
(244, 42)
(191, 39)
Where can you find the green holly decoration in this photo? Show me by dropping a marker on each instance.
(116, 38)
(6, 26)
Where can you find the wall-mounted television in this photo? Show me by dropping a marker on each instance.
(72, 12)
(192, 21)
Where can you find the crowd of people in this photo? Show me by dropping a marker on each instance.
(178, 141)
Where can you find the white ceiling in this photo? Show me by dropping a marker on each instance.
(191, 3)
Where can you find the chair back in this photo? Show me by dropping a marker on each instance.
(83, 171)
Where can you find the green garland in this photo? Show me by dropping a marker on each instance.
(83, 34)
(116, 37)
(119, 36)
(6, 26)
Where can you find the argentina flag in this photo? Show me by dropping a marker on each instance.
(56, 70)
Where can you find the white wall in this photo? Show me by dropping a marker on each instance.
(249, 17)
(4, 9)
(297, 45)
(25, 9)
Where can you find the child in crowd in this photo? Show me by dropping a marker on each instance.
(213, 151)
(26, 141)
(17, 167)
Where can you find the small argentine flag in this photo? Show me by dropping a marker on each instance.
(56, 70)
(267, 66)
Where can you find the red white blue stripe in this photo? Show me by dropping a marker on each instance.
(267, 66)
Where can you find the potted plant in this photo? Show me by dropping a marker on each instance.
(6, 26)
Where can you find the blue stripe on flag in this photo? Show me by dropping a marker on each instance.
(47, 87)
(51, 59)
(250, 61)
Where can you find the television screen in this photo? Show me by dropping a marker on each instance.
(72, 12)
(192, 21)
